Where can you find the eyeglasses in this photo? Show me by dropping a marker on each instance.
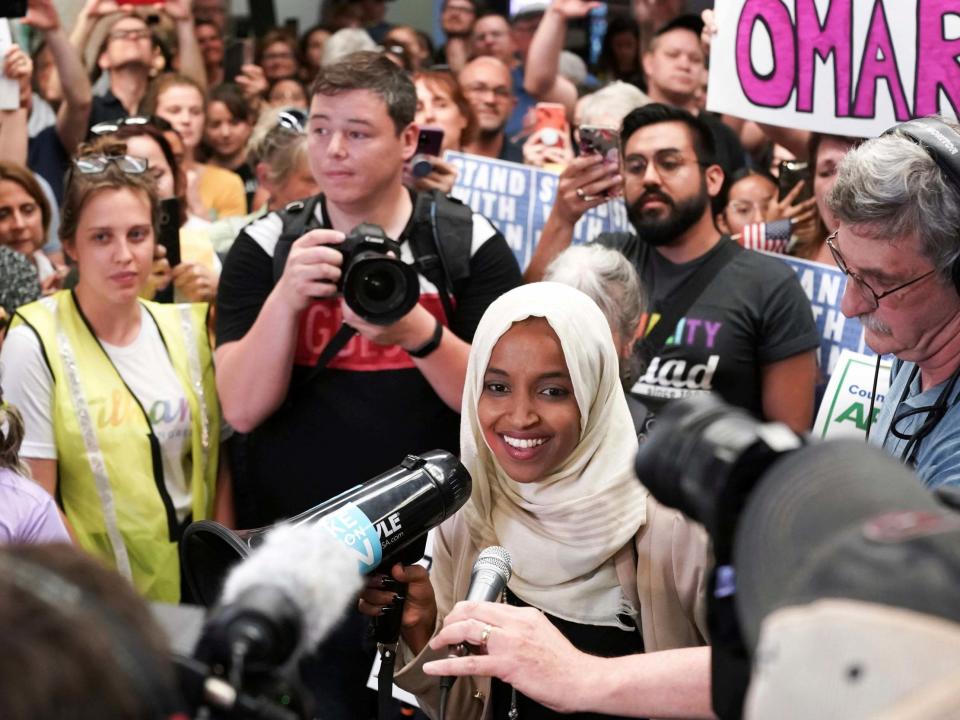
(138, 34)
(500, 92)
(111, 126)
(867, 292)
(95, 164)
(667, 163)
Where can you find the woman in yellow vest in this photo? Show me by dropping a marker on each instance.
(118, 394)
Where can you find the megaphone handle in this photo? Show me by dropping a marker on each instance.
(386, 626)
(386, 631)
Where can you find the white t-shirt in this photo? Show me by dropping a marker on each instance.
(147, 371)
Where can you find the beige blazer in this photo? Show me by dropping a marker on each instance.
(664, 571)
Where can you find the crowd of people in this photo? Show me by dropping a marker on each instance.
(175, 344)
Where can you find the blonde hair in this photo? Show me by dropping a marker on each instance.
(11, 438)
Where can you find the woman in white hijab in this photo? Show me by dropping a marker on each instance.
(549, 442)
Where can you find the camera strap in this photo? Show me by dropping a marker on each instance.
(676, 305)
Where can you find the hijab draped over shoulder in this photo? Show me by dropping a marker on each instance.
(563, 530)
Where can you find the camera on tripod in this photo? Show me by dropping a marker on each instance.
(378, 286)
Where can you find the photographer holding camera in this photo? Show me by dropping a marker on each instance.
(324, 408)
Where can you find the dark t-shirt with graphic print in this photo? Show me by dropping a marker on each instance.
(753, 313)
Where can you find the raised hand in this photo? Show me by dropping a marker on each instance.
(42, 15)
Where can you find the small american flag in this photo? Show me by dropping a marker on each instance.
(772, 236)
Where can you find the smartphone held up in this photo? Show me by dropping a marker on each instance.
(604, 141)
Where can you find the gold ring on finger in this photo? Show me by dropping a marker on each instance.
(485, 635)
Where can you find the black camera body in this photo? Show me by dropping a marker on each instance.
(378, 287)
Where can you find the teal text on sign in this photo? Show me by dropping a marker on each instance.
(351, 527)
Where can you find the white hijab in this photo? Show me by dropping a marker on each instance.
(564, 530)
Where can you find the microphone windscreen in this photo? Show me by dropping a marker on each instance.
(313, 569)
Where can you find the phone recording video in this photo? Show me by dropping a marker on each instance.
(429, 146)
(792, 172)
(550, 120)
(601, 140)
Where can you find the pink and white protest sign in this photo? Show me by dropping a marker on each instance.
(847, 67)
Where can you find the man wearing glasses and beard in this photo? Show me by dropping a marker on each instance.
(898, 202)
(733, 322)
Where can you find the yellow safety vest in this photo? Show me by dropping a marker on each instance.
(110, 473)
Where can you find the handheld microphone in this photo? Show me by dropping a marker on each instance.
(377, 521)
(491, 573)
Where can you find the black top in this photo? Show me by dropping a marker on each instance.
(753, 313)
(250, 184)
(730, 153)
(47, 157)
(106, 108)
(511, 151)
(371, 406)
(597, 640)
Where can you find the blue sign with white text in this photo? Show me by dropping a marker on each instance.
(518, 200)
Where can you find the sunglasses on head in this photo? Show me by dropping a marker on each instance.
(95, 164)
(292, 119)
(111, 126)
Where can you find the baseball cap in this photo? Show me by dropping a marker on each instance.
(848, 585)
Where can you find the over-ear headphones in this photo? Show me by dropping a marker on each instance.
(942, 144)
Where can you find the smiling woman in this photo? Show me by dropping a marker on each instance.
(549, 442)
(93, 370)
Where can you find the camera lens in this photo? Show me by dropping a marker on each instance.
(380, 289)
(380, 285)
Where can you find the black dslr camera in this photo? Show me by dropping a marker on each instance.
(379, 288)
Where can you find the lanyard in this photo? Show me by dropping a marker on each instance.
(935, 414)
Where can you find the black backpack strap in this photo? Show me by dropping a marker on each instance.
(677, 305)
(296, 217)
(441, 238)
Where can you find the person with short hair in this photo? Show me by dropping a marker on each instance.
(749, 334)
(381, 391)
(896, 240)
(128, 52)
(456, 22)
(487, 84)
(674, 65)
(117, 393)
(278, 56)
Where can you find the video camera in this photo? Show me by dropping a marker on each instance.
(820, 549)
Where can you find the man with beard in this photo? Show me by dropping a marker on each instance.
(487, 85)
(747, 333)
(897, 199)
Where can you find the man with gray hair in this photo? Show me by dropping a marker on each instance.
(897, 198)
